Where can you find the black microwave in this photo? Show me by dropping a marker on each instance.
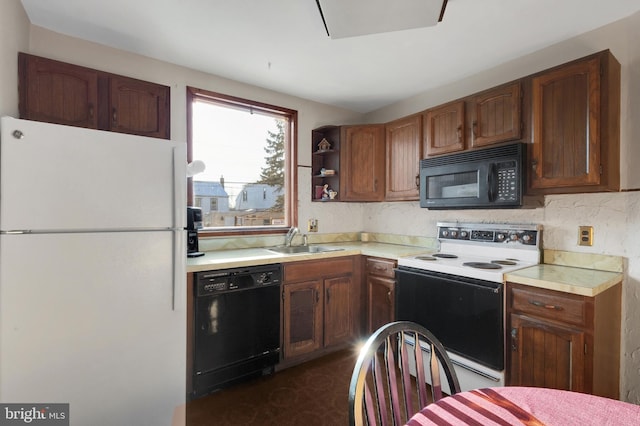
(483, 178)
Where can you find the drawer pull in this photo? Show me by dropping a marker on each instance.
(544, 305)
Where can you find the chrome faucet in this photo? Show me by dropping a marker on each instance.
(292, 232)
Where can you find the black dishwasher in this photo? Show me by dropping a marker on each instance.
(237, 325)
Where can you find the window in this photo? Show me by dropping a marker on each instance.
(248, 148)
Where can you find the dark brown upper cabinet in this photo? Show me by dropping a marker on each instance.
(57, 92)
(362, 163)
(62, 93)
(444, 129)
(495, 115)
(576, 127)
(404, 151)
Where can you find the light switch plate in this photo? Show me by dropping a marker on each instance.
(585, 235)
(312, 225)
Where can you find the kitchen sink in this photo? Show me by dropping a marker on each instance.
(301, 249)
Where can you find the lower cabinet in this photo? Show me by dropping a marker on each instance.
(380, 287)
(564, 341)
(320, 301)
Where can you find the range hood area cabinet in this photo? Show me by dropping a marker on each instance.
(62, 93)
(576, 127)
(486, 118)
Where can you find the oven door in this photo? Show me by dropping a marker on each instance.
(465, 314)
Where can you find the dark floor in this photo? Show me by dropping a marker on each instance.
(313, 393)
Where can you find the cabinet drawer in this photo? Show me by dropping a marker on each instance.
(380, 267)
(299, 271)
(549, 304)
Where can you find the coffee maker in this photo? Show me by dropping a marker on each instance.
(194, 222)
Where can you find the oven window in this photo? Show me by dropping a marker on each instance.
(453, 185)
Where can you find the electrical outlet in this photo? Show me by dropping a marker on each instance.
(312, 225)
(585, 235)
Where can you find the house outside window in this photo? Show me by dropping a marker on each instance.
(248, 149)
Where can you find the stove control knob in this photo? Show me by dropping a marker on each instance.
(500, 237)
(445, 233)
(526, 238)
(454, 234)
(463, 234)
(513, 237)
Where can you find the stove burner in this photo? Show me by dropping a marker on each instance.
(504, 262)
(482, 265)
(426, 258)
(445, 255)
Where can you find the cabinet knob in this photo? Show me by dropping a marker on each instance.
(534, 165)
(459, 130)
(418, 181)
(514, 340)
(115, 116)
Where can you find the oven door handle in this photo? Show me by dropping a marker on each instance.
(457, 279)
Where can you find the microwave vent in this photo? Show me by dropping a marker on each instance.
(511, 150)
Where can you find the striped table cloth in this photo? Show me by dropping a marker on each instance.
(530, 406)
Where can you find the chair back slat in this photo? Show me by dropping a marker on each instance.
(421, 379)
(436, 384)
(390, 382)
(379, 379)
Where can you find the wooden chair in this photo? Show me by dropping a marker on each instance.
(388, 386)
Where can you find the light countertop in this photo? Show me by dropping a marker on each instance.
(568, 279)
(222, 259)
(570, 276)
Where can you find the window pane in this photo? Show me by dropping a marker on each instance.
(244, 149)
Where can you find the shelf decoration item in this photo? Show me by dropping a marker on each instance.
(324, 145)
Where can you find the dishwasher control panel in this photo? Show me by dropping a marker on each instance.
(212, 282)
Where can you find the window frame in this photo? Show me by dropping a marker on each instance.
(291, 155)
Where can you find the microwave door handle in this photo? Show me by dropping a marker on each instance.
(491, 183)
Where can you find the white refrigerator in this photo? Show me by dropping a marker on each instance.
(92, 273)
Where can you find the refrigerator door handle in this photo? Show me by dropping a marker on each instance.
(179, 270)
(179, 224)
(179, 187)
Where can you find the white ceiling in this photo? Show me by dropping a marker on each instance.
(282, 45)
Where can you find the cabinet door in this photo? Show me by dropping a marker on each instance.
(495, 116)
(546, 354)
(302, 320)
(57, 92)
(404, 151)
(362, 163)
(338, 310)
(380, 306)
(566, 126)
(138, 107)
(444, 129)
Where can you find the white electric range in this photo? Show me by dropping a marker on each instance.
(457, 293)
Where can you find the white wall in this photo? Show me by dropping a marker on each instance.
(615, 217)
(14, 36)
